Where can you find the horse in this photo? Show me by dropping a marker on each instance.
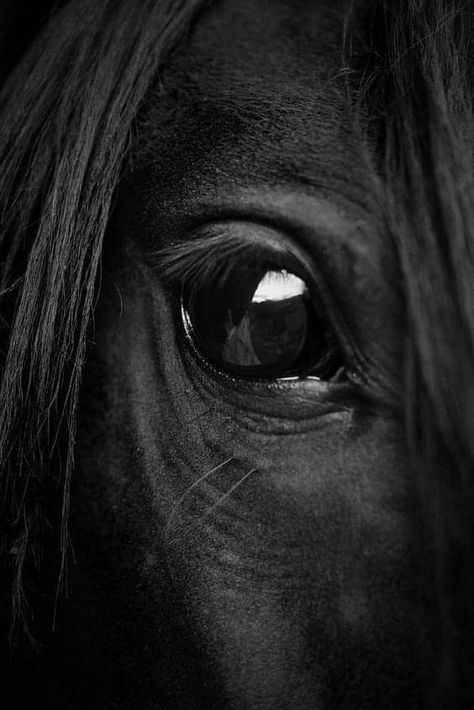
(237, 354)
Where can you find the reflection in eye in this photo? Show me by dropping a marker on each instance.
(262, 324)
(273, 329)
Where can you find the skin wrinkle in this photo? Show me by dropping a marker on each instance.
(301, 588)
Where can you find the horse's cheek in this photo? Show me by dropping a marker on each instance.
(315, 575)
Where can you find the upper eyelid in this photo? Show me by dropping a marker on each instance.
(222, 245)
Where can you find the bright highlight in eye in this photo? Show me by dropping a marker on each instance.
(277, 286)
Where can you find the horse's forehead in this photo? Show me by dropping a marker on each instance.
(269, 40)
(259, 92)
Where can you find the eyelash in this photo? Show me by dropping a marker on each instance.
(210, 259)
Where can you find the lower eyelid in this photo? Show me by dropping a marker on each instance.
(303, 398)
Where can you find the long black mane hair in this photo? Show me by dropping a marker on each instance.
(68, 99)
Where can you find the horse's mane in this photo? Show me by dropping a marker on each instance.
(422, 83)
(63, 138)
(62, 142)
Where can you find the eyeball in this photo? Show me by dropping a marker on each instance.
(261, 323)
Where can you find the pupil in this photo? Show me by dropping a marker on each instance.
(260, 323)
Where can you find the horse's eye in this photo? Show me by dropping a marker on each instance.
(261, 324)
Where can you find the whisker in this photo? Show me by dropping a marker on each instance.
(231, 490)
(196, 483)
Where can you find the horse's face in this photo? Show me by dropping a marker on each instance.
(252, 543)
